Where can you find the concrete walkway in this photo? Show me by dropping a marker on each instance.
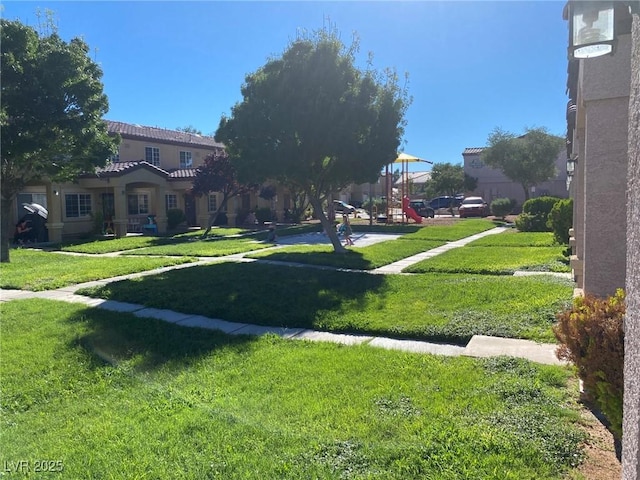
(479, 346)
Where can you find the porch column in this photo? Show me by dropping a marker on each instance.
(161, 209)
(54, 220)
(232, 208)
(120, 219)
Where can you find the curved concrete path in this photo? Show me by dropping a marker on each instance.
(479, 346)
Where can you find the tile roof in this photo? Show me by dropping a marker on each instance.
(118, 168)
(468, 151)
(128, 130)
(183, 173)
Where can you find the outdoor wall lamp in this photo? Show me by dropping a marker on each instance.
(571, 165)
(592, 26)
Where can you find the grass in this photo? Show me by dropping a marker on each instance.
(358, 258)
(514, 238)
(206, 248)
(116, 396)
(494, 260)
(430, 306)
(110, 245)
(415, 240)
(36, 270)
(449, 233)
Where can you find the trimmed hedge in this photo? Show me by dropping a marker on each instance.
(175, 217)
(560, 220)
(501, 207)
(535, 213)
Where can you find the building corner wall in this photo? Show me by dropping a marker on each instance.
(631, 418)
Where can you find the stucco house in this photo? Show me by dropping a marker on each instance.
(492, 183)
(151, 173)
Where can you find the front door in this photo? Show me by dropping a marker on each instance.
(190, 209)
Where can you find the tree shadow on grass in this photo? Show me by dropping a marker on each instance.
(115, 337)
(349, 260)
(254, 293)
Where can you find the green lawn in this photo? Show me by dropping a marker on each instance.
(110, 245)
(413, 241)
(206, 248)
(176, 243)
(449, 233)
(514, 238)
(359, 258)
(429, 306)
(494, 260)
(116, 396)
(36, 270)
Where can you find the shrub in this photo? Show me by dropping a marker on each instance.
(539, 205)
(175, 217)
(97, 222)
(263, 214)
(525, 222)
(592, 337)
(535, 213)
(560, 220)
(501, 207)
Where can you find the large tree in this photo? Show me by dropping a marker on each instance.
(527, 159)
(314, 121)
(51, 113)
(449, 179)
(217, 174)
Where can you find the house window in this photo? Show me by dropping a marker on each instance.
(213, 203)
(171, 201)
(77, 205)
(114, 158)
(152, 155)
(186, 161)
(138, 204)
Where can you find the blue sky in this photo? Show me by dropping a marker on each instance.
(472, 66)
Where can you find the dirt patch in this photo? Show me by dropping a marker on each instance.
(601, 462)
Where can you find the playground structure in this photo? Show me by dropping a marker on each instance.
(408, 211)
(404, 159)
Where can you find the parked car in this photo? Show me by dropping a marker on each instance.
(473, 207)
(422, 209)
(343, 207)
(445, 201)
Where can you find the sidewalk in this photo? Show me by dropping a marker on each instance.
(479, 346)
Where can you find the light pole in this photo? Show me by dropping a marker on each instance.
(592, 34)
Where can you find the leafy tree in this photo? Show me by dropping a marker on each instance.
(313, 121)
(448, 179)
(189, 129)
(528, 159)
(51, 113)
(217, 174)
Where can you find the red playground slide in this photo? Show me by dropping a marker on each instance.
(411, 213)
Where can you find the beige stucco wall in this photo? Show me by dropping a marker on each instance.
(492, 183)
(132, 149)
(604, 105)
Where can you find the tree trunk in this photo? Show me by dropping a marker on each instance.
(214, 217)
(7, 230)
(327, 225)
(526, 192)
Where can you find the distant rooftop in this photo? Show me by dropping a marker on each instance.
(128, 130)
(472, 150)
